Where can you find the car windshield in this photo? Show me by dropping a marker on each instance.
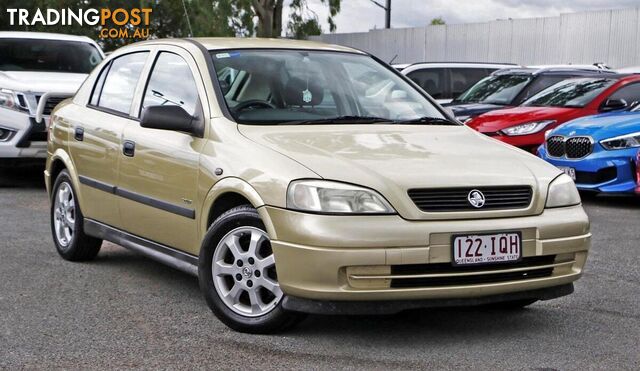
(41, 55)
(495, 89)
(570, 93)
(265, 87)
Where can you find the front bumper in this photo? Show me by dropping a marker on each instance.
(394, 306)
(601, 171)
(27, 140)
(381, 258)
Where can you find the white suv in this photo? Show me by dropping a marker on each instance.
(37, 71)
(444, 81)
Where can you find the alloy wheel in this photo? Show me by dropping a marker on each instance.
(244, 275)
(64, 215)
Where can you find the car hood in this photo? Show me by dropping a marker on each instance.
(601, 126)
(41, 82)
(500, 119)
(395, 158)
(473, 109)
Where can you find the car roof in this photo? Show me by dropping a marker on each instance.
(554, 71)
(221, 43)
(43, 36)
(457, 64)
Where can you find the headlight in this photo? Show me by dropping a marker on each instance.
(328, 197)
(7, 99)
(527, 128)
(622, 142)
(562, 192)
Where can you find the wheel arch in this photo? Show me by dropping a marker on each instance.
(228, 193)
(58, 161)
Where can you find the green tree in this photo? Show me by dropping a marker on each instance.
(438, 21)
(169, 19)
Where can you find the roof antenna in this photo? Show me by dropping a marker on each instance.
(393, 59)
(188, 21)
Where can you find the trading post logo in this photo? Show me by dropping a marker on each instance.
(114, 24)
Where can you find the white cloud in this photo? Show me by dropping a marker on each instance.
(362, 15)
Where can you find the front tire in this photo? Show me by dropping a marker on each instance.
(67, 223)
(237, 274)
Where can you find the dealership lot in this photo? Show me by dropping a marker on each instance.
(123, 310)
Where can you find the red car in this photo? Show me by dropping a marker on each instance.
(525, 126)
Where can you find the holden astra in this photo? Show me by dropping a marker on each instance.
(524, 126)
(272, 171)
(601, 153)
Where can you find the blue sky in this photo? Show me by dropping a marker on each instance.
(362, 15)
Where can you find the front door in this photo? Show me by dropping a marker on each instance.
(159, 173)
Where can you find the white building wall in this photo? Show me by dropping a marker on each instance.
(609, 36)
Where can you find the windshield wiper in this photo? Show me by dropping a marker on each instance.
(340, 120)
(427, 121)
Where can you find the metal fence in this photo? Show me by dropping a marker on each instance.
(609, 36)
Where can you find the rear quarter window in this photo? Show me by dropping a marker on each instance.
(114, 91)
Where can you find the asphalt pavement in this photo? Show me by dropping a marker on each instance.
(124, 311)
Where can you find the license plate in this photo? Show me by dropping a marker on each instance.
(487, 248)
(569, 171)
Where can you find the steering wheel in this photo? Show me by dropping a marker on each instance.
(253, 103)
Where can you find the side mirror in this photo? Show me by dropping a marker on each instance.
(614, 105)
(168, 118)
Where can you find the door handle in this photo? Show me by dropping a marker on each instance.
(129, 148)
(79, 134)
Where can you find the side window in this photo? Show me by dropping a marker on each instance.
(430, 80)
(464, 78)
(630, 93)
(97, 88)
(541, 83)
(120, 82)
(171, 83)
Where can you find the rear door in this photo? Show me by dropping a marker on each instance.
(159, 178)
(97, 133)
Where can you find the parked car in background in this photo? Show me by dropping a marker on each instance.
(511, 87)
(444, 81)
(524, 126)
(37, 71)
(593, 66)
(630, 69)
(272, 171)
(601, 152)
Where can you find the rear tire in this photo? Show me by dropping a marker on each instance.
(237, 274)
(67, 223)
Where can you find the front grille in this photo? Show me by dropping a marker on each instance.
(603, 175)
(578, 147)
(555, 146)
(50, 104)
(536, 263)
(574, 147)
(456, 199)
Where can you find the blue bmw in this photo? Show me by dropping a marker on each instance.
(601, 152)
